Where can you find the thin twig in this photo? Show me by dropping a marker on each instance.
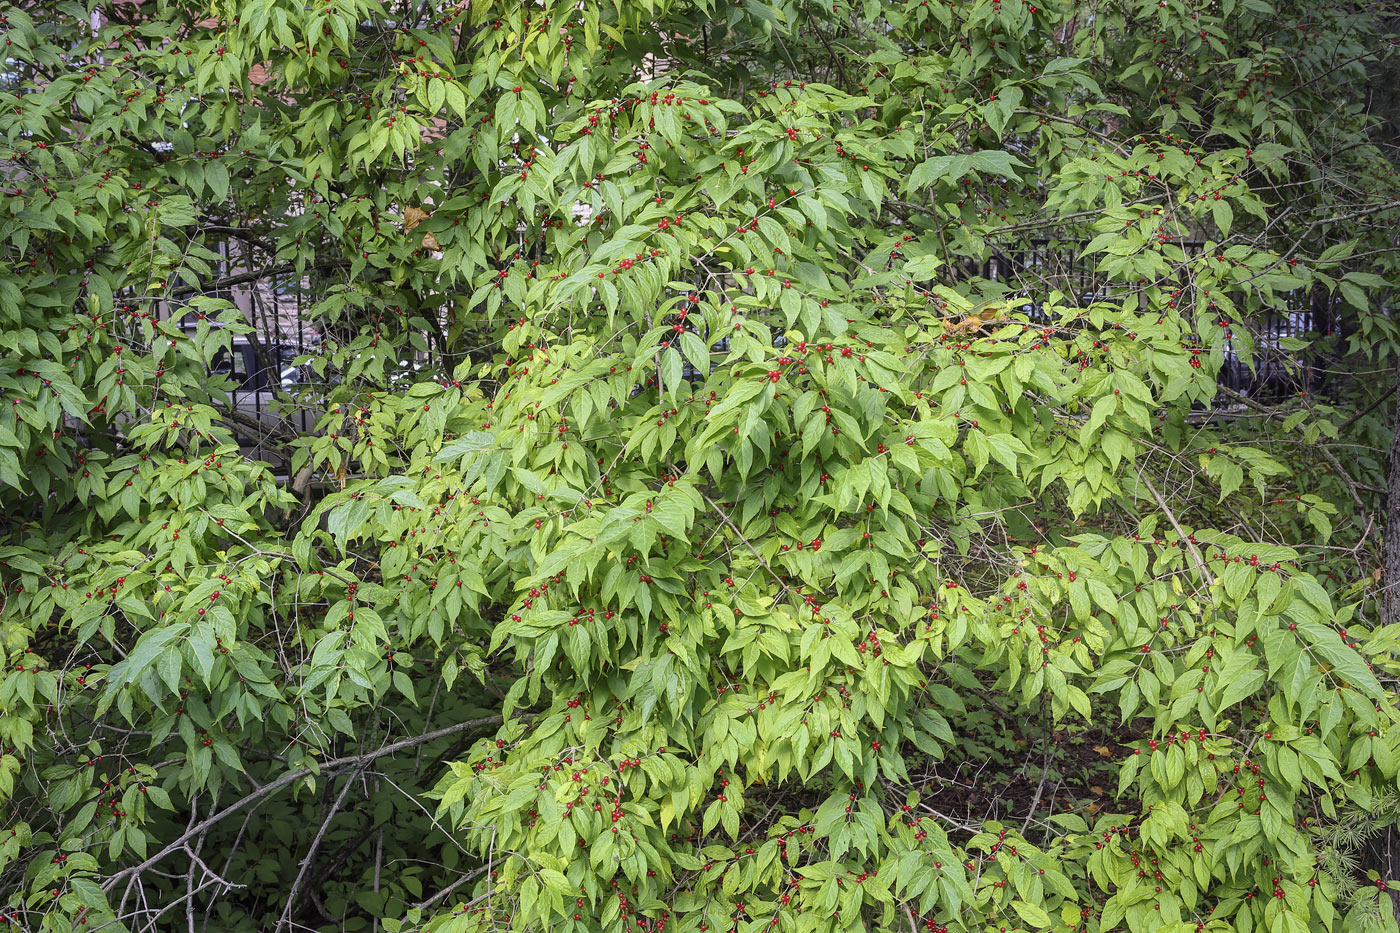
(1171, 517)
(310, 858)
(469, 876)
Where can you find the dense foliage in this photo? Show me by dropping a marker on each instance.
(692, 532)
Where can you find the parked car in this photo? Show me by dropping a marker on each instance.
(243, 366)
(259, 414)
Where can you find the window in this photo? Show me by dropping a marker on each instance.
(10, 76)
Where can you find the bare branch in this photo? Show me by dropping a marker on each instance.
(329, 767)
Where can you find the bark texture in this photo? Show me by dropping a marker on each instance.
(1390, 547)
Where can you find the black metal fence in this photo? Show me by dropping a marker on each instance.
(1274, 372)
(267, 381)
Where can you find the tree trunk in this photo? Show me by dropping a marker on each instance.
(1390, 546)
(1390, 607)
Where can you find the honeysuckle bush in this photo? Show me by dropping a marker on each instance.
(693, 536)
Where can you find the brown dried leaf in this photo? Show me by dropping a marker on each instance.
(412, 217)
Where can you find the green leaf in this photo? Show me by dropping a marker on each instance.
(473, 442)
(1344, 662)
(696, 352)
(952, 168)
(670, 369)
(216, 177)
(149, 647)
(1032, 914)
(1239, 687)
(1223, 215)
(1000, 110)
(404, 685)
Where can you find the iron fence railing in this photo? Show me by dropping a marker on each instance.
(1274, 371)
(267, 380)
